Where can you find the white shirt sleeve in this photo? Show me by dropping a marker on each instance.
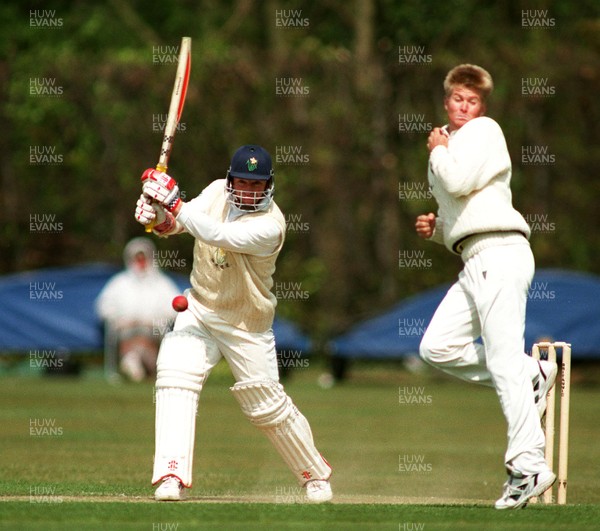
(476, 154)
(438, 231)
(260, 236)
(200, 203)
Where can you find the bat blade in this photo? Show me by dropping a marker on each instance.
(182, 78)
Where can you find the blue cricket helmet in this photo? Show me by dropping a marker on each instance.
(251, 162)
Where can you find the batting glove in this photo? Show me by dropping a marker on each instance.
(146, 213)
(162, 188)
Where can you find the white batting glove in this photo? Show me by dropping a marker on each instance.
(145, 213)
(161, 187)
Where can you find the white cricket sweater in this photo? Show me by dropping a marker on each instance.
(470, 180)
(234, 257)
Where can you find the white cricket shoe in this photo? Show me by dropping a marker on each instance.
(131, 366)
(519, 488)
(171, 489)
(543, 383)
(318, 491)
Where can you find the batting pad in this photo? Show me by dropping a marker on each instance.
(175, 433)
(181, 361)
(269, 408)
(180, 373)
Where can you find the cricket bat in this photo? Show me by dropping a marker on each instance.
(182, 79)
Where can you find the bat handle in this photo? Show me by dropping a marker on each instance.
(160, 167)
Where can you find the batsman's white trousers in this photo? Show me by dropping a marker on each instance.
(251, 356)
(489, 301)
(199, 340)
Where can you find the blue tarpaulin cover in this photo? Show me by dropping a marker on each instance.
(54, 309)
(562, 306)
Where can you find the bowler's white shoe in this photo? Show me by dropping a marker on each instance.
(318, 491)
(519, 488)
(171, 489)
(543, 383)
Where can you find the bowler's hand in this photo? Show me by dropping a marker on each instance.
(425, 225)
(437, 137)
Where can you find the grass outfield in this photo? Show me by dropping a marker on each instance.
(409, 452)
(132, 516)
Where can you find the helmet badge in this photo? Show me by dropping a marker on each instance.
(252, 163)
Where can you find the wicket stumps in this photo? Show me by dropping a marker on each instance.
(537, 352)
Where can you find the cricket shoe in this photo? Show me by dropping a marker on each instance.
(543, 383)
(519, 488)
(171, 489)
(318, 491)
(132, 367)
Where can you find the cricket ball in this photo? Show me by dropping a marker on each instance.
(180, 303)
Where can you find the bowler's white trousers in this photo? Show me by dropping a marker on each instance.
(489, 301)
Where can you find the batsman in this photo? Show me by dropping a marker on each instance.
(239, 231)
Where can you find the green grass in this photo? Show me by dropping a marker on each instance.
(124, 516)
(397, 465)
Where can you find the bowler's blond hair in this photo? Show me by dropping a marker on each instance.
(471, 76)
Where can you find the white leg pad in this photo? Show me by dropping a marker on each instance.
(269, 408)
(181, 361)
(175, 433)
(179, 379)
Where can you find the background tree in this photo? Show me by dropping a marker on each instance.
(85, 86)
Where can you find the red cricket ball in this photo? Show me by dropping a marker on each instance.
(180, 303)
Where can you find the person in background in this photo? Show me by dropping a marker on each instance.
(135, 306)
